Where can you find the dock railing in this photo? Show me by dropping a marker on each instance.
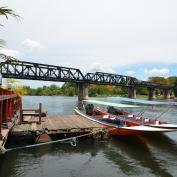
(32, 113)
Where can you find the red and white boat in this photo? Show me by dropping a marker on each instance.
(124, 123)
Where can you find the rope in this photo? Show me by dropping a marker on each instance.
(72, 140)
(168, 108)
(2, 150)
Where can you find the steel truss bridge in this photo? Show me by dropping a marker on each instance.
(44, 72)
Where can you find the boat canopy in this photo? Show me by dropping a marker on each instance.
(169, 103)
(112, 104)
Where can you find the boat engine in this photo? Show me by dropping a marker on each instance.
(111, 110)
(89, 109)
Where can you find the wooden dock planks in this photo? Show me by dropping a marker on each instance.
(58, 124)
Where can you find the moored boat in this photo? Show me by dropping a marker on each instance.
(130, 118)
(116, 125)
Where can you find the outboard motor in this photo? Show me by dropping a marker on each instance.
(111, 110)
(89, 109)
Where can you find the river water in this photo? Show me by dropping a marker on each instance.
(136, 156)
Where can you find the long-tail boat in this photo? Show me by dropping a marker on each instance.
(123, 123)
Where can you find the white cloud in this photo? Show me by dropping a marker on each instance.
(32, 44)
(130, 73)
(10, 52)
(99, 67)
(157, 72)
(117, 33)
(108, 35)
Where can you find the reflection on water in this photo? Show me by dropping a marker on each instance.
(137, 150)
(123, 156)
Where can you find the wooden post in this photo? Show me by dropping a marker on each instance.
(7, 110)
(1, 108)
(40, 112)
(18, 106)
(21, 116)
(12, 107)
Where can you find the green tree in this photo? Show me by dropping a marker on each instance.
(159, 80)
(14, 85)
(6, 12)
(172, 80)
(69, 89)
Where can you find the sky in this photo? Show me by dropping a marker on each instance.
(130, 37)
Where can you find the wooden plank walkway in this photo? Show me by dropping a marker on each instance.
(58, 124)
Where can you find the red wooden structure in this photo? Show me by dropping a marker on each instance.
(9, 103)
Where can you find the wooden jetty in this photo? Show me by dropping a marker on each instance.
(50, 126)
(57, 124)
(32, 125)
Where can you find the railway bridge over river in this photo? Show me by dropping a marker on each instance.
(44, 72)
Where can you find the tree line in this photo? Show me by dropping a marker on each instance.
(70, 89)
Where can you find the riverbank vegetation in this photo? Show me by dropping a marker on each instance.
(70, 89)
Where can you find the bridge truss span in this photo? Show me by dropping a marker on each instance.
(110, 79)
(36, 71)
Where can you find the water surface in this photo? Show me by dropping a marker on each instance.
(136, 156)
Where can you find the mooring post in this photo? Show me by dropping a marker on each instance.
(166, 93)
(40, 112)
(82, 91)
(19, 107)
(152, 94)
(131, 92)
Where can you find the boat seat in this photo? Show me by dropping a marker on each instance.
(157, 122)
(112, 118)
(146, 120)
(105, 116)
(113, 121)
(130, 116)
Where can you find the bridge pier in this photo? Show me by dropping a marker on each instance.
(166, 93)
(151, 94)
(131, 92)
(172, 94)
(82, 91)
